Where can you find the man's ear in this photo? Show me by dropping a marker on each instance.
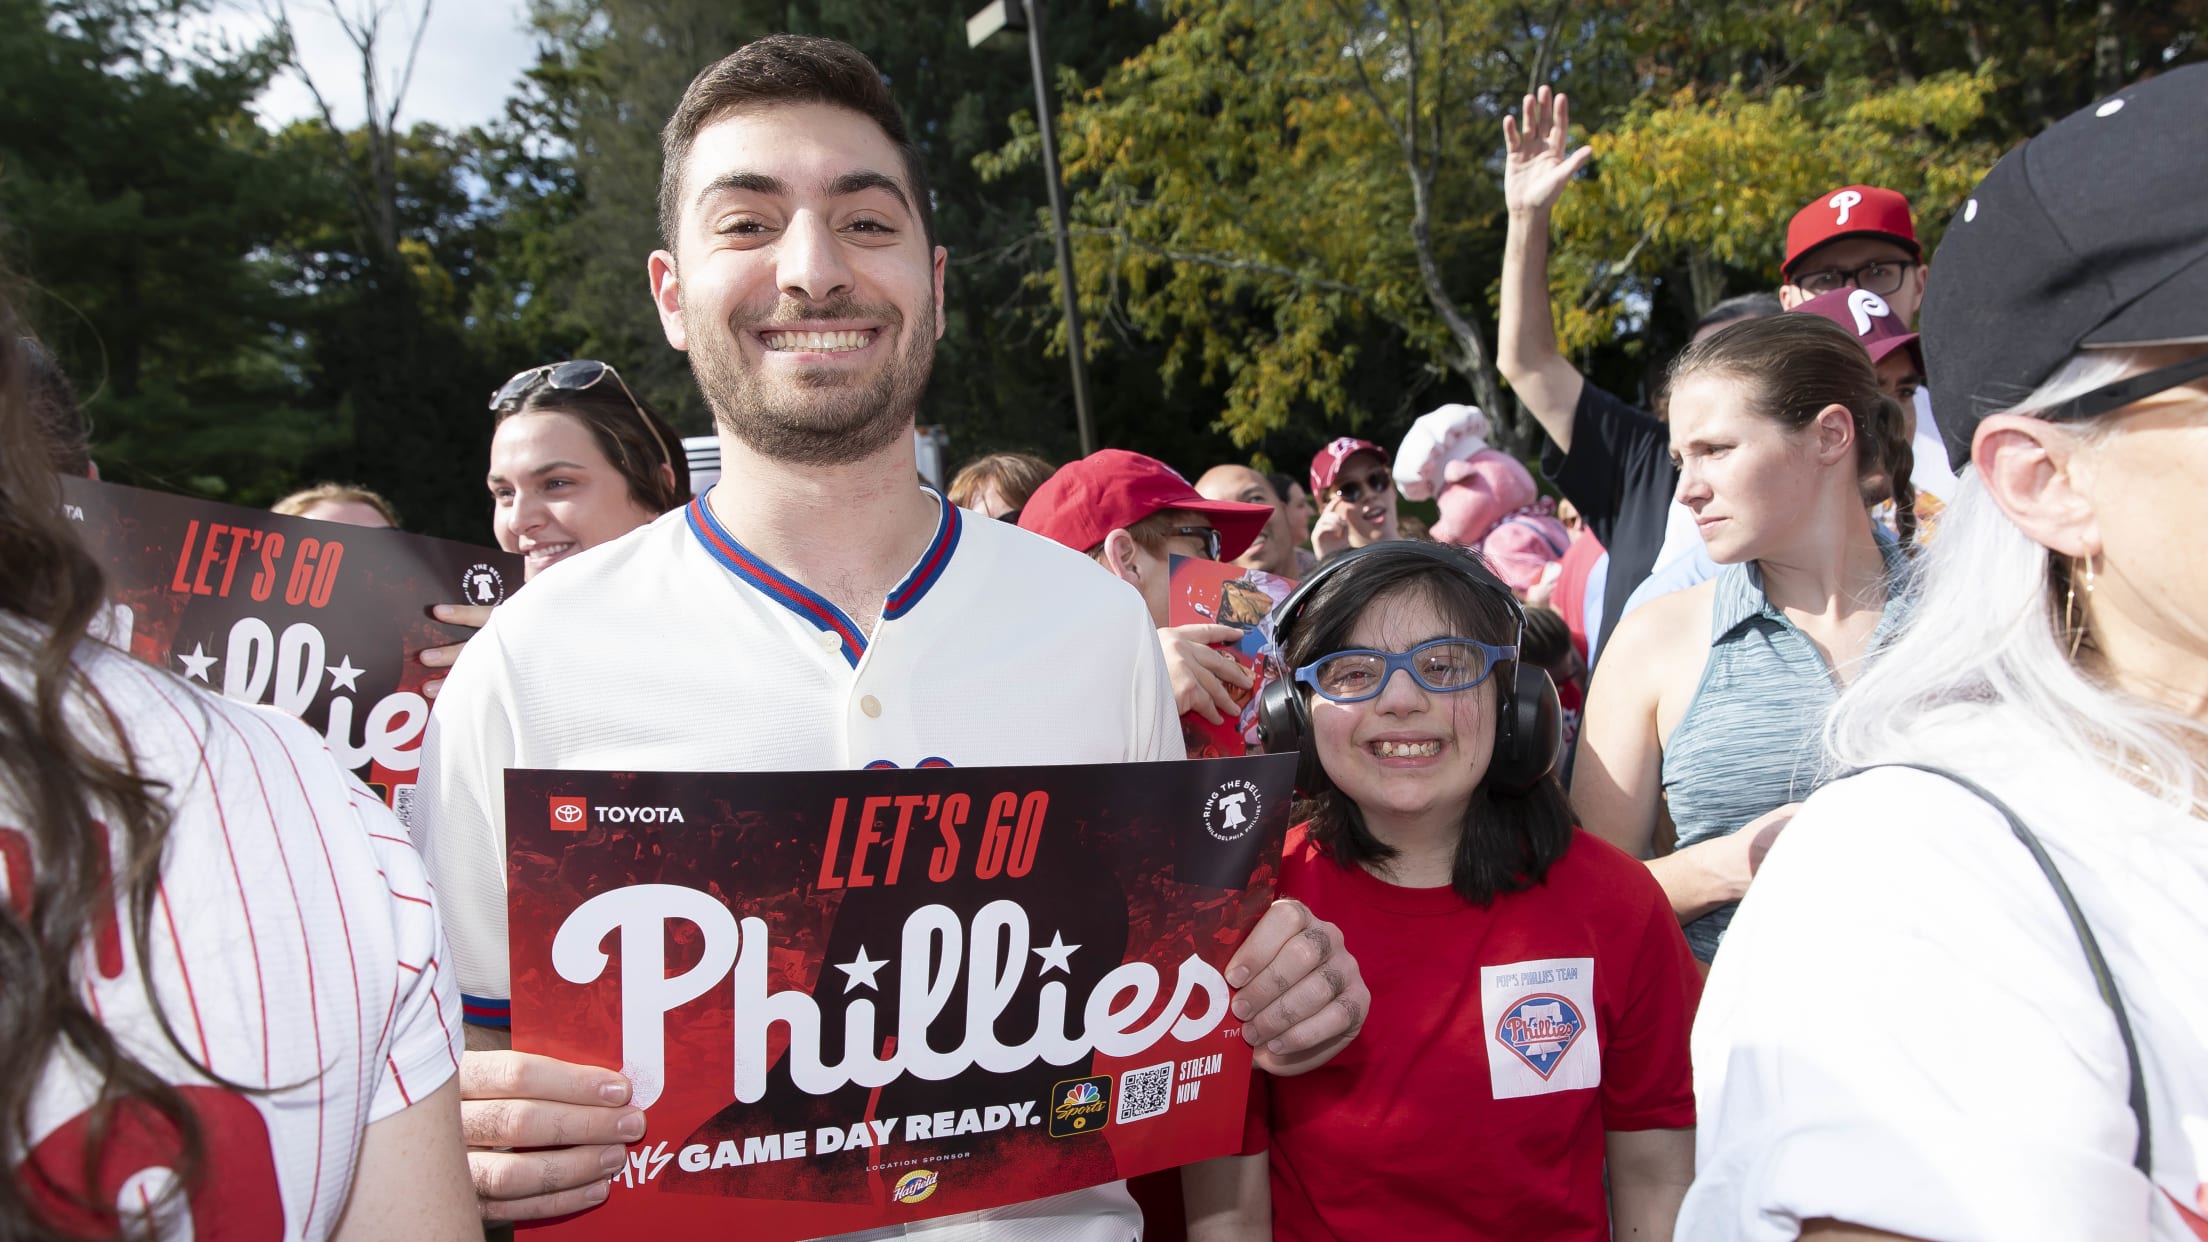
(1791, 296)
(942, 260)
(1122, 556)
(2029, 467)
(667, 298)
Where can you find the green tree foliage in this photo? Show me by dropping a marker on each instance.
(138, 198)
(1276, 189)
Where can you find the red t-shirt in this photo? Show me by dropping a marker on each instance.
(1502, 1044)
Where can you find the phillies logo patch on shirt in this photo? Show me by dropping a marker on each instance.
(1541, 1026)
(1541, 1029)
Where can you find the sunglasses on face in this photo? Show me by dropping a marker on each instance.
(1209, 535)
(1379, 483)
(574, 375)
(1443, 666)
(1882, 277)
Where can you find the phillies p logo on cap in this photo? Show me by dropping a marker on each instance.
(570, 814)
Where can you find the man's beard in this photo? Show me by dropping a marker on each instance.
(818, 420)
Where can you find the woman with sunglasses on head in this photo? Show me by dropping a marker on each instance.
(1968, 998)
(1531, 992)
(1356, 495)
(577, 460)
(1706, 701)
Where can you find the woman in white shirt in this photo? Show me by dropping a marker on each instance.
(1909, 1034)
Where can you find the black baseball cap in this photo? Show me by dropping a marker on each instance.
(2093, 233)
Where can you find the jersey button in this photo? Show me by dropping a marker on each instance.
(870, 705)
(828, 640)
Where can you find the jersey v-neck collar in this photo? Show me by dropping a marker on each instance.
(809, 606)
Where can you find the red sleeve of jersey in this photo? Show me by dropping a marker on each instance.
(1256, 1126)
(1647, 1074)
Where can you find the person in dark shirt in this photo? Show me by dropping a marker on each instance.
(1610, 458)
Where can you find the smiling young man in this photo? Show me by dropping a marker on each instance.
(826, 613)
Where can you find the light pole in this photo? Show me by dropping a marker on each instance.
(1027, 15)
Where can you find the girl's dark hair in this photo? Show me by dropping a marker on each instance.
(1510, 840)
(70, 783)
(627, 431)
(1796, 365)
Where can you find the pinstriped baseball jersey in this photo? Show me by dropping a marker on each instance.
(675, 648)
(295, 948)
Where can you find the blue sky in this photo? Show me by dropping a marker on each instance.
(472, 53)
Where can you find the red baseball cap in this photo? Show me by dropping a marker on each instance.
(1111, 489)
(1327, 466)
(1850, 211)
(1870, 319)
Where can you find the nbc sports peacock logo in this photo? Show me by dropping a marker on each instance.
(1078, 1106)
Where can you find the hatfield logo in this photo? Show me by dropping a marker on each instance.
(1080, 1107)
(1232, 810)
(914, 1187)
(1540, 1029)
(570, 814)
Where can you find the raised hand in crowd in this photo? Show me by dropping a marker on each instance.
(1201, 673)
(1538, 163)
(1538, 160)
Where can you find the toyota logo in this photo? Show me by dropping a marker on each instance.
(569, 814)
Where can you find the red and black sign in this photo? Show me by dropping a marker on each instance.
(322, 619)
(855, 999)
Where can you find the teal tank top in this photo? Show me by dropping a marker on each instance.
(1748, 743)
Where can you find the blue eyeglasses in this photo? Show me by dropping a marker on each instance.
(1443, 666)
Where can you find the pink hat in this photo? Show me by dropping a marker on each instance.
(1327, 465)
(1869, 319)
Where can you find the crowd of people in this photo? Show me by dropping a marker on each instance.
(1790, 828)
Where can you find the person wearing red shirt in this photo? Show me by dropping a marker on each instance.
(1531, 991)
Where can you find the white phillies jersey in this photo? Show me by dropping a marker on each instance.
(676, 649)
(295, 946)
(1901, 1031)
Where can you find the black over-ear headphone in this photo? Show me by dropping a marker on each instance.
(1529, 733)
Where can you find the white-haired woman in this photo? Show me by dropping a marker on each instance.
(1972, 1002)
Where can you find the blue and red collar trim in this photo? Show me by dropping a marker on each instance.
(808, 605)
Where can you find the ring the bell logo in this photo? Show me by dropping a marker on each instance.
(1079, 1106)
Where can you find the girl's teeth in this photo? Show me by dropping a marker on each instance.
(1405, 750)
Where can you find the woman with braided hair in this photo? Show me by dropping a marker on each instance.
(223, 1009)
(1708, 699)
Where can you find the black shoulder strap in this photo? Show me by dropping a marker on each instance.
(2142, 1156)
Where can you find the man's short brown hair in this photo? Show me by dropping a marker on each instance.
(785, 69)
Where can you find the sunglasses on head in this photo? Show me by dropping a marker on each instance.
(1378, 482)
(574, 376)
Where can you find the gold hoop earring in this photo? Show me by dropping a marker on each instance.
(2073, 616)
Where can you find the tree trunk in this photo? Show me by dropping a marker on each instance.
(1471, 358)
(1707, 280)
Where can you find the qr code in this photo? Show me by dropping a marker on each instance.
(1144, 1093)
